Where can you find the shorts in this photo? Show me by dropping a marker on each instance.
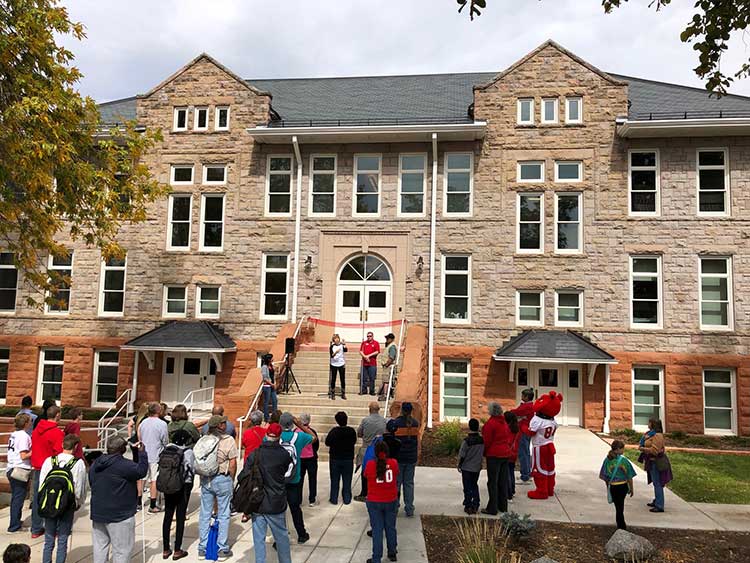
(153, 472)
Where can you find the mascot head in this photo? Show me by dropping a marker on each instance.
(549, 404)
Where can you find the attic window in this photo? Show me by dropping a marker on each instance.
(574, 110)
(525, 111)
(201, 119)
(180, 119)
(221, 120)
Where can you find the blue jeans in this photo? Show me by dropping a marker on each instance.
(470, 480)
(17, 496)
(382, 518)
(277, 523)
(269, 400)
(220, 488)
(511, 479)
(62, 528)
(658, 487)
(406, 482)
(524, 457)
(37, 523)
(341, 470)
(368, 379)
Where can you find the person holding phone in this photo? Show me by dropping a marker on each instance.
(338, 366)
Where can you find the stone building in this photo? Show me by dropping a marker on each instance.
(583, 231)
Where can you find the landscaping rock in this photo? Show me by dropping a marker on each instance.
(544, 559)
(626, 546)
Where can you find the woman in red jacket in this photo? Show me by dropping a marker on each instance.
(496, 436)
(382, 501)
(515, 437)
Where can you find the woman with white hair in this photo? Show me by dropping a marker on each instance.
(496, 436)
(309, 462)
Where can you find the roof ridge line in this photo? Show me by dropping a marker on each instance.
(465, 73)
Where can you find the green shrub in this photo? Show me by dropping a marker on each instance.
(449, 436)
(676, 435)
(699, 441)
(517, 526)
(481, 540)
(627, 434)
(736, 441)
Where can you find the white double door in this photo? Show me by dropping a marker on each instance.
(359, 306)
(566, 379)
(185, 372)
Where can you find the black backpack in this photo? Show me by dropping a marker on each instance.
(171, 478)
(57, 495)
(249, 492)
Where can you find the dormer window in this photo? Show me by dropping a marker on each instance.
(180, 119)
(221, 119)
(201, 119)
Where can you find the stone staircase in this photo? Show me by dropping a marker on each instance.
(312, 373)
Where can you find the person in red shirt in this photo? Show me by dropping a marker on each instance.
(74, 427)
(382, 501)
(46, 441)
(515, 438)
(525, 412)
(369, 350)
(496, 436)
(252, 438)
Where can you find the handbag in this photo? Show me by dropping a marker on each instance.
(20, 474)
(610, 500)
(661, 462)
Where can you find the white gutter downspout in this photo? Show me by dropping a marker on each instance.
(135, 383)
(297, 221)
(431, 321)
(605, 428)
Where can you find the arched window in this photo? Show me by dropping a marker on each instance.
(365, 268)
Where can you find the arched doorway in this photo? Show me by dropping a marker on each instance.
(363, 296)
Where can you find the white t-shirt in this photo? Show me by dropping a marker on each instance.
(337, 355)
(545, 431)
(19, 442)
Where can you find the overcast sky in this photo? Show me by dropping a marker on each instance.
(133, 45)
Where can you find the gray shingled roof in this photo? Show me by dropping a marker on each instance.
(184, 335)
(442, 97)
(560, 345)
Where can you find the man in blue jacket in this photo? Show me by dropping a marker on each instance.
(114, 498)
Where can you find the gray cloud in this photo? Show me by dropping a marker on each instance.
(133, 45)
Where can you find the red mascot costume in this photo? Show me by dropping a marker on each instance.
(542, 429)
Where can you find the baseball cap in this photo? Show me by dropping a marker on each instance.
(391, 336)
(274, 429)
(216, 419)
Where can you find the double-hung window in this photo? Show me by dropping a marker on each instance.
(49, 385)
(200, 122)
(719, 401)
(716, 293)
(180, 120)
(214, 174)
(456, 303)
(574, 109)
(530, 223)
(648, 395)
(367, 178)
(181, 175)
(713, 182)
(568, 308)
(459, 182)
(568, 171)
(106, 366)
(568, 223)
(525, 111)
(549, 110)
(530, 308)
(645, 292)
(274, 286)
(221, 118)
(61, 270)
(455, 389)
(643, 182)
(175, 301)
(179, 219)
(112, 287)
(322, 186)
(412, 171)
(531, 171)
(4, 364)
(279, 185)
(212, 223)
(208, 302)
(8, 283)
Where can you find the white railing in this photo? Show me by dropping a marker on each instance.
(4, 437)
(103, 427)
(199, 399)
(389, 392)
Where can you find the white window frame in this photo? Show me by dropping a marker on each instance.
(556, 107)
(312, 174)
(730, 293)
(270, 173)
(443, 296)
(401, 172)
(657, 171)
(727, 193)
(177, 109)
(578, 250)
(379, 156)
(95, 384)
(468, 388)
(577, 292)
(40, 374)
(50, 266)
(216, 118)
(579, 102)
(521, 163)
(102, 275)
(470, 170)
(659, 284)
(640, 427)
(263, 271)
(5, 362)
(202, 229)
(15, 298)
(566, 181)
(196, 112)
(539, 250)
(732, 386)
(174, 182)
(223, 182)
(521, 322)
(199, 298)
(165, 292)
(519, 104)
(189, 221)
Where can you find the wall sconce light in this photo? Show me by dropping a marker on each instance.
(308, 264)
(420, 266)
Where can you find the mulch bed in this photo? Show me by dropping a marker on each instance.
(581, 543)
(430, 455)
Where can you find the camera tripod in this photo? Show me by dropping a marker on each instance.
(288, 380)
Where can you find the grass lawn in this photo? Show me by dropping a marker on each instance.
(708, 477)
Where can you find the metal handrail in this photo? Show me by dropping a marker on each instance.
(393, 366)
(102, 428)
(191, 401)
(4, 449)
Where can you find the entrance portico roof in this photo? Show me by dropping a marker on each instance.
(552, 346)
(183, 336)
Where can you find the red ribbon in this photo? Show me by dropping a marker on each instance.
(362, 325)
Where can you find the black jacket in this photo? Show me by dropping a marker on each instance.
(114, 494)
(341, 441)
(394, 445)
(274, 461)
(407, 432)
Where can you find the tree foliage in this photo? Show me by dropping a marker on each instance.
(709, 30)
(63, 175)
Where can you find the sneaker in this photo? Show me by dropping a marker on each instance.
(225, 554)
(650, 504)
(139, 507)
(392, 557)
(154, 510)
(510, 500)
(303, 539)
(524, 483)
(654, 509)
(315, 502)
(35, 535)
(201, 554)
(485, 511)
(360, 498)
